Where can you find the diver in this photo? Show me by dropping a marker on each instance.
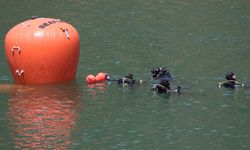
(160, 72)
(163, 76)
(164, 87)
(127, 80)
(230, 81)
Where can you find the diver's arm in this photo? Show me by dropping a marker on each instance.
(220, 84)
(159, 85)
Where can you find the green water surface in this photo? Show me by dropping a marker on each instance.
(198, 41)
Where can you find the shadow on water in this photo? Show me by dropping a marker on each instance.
(43, 117)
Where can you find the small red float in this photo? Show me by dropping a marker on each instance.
(90, 79)
(100, 77)
(42, 50)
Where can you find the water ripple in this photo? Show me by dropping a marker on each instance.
(4, 78)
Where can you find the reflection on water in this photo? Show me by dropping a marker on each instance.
(43, 118)
(94, 89)
(4, 78)
(198, 41)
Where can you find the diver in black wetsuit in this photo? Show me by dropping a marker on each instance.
(160, 72)
(163, 76)
(164, 87)
(230, 82)
(128, 80)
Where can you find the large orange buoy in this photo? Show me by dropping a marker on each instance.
(42, 50)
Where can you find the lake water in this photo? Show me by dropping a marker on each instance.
(198, 41)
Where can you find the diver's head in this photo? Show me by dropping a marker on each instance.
(130, 76)
(107, 76)
(230, 76)
(159, 72)
(155, 72)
